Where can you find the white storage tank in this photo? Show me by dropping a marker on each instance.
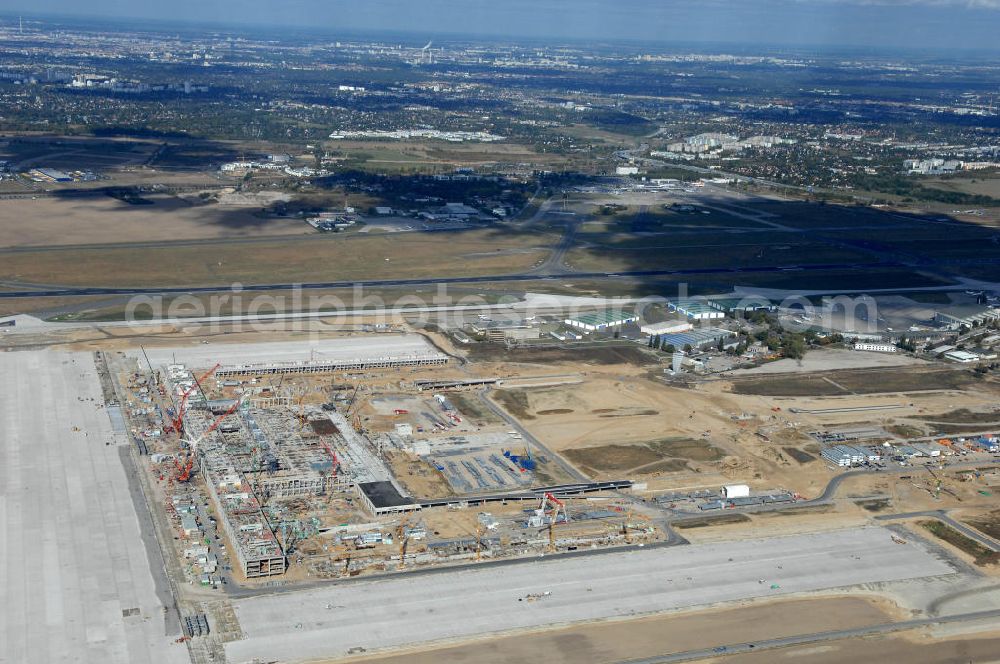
(736, 491)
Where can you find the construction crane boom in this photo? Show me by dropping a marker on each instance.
(179, 419)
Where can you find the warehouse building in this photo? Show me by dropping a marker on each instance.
(843, 455)
(384, 498)
(665, 327)
(695, 309)
(962, 356)
(49, 175)
(875, 348)
(601, 320)
(968, 316)
(733, 305)
(696, 338)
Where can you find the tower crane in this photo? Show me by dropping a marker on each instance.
(404, 540)
(556, 506)
(184, 470)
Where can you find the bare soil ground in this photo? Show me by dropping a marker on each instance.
(911, 647)
(626, 640)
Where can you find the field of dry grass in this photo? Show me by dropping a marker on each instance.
(102, 219)
(325, 258)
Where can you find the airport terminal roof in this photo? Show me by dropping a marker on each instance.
(282, 352)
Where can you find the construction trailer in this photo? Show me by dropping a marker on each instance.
(735, 491)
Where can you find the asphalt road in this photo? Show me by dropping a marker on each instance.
(942, 515)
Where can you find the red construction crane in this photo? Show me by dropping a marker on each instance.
(215, 424)
(184, 470)
(178, 423)
(557, 505)
(333, 457)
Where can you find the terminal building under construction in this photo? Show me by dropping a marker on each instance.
(255, 449)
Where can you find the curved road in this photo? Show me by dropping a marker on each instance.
(942, 515)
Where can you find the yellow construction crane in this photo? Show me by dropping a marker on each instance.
(404, 540)
(548, 498)
(628, 526)
(301, 414)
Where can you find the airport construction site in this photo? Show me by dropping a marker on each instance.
(344, 462)
(292, 486)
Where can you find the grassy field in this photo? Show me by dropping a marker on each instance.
(625, 353)
(988, 523)
(100, 219)
(714, 520)
(659, 255)
(658, 220)
(327, 258)
(987, 184)
(75, 153)
(799, 455)
(515, 403)
(433, 156)
(692, 240)
(814, 215)
(862, 381)
(982, 555)
(962, 416)
(667, 455)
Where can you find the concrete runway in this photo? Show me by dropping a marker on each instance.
(394, 612)
(72, 557)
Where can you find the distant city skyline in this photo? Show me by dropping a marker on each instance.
(934, 25)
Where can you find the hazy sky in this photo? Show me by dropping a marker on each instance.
(932, 25)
